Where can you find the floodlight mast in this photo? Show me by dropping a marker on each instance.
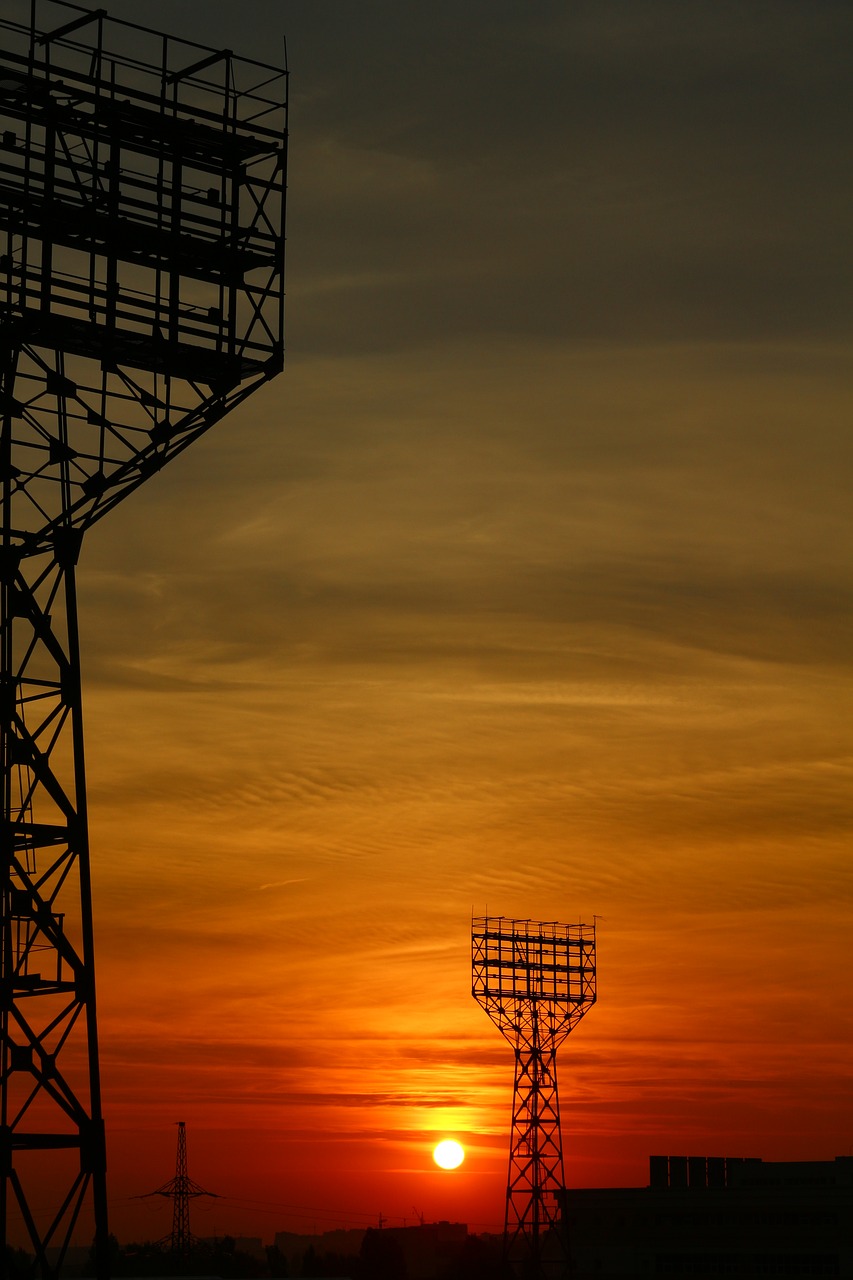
(535, 981)
(142, 194)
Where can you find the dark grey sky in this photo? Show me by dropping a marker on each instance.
(623, 171)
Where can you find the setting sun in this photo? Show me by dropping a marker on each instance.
(448, 1154)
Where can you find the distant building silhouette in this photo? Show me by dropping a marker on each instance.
(292, 1245)
(717, 1216)
(253, 1246)
(426, 1250)
(428, 1247)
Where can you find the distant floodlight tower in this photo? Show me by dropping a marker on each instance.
(536, 982)
(142, 185)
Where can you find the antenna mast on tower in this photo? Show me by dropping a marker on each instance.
(142, 185)
(536, 982)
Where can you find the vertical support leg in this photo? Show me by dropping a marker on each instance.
(49, 1080)
(93, 1153)
(534, 1239)
(8, 563)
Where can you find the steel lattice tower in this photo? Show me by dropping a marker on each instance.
(142, 184)
(536, 982)
(180, 1190)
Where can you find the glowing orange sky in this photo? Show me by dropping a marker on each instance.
(525, 589)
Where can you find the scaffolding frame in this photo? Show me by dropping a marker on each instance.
(142, 203)
(535, 981)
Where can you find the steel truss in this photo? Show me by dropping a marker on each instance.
(535, 981)
(142, 190)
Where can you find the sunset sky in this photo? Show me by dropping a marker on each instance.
(526, 589)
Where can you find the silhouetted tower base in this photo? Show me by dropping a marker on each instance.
(141, 299)
(536, 982)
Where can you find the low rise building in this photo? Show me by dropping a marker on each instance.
(715, 1216)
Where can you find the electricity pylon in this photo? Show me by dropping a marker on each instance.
(180, 1190)
(142, 184)
(536, 982)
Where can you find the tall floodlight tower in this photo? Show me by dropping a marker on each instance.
(142, 183)
(536, 982)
